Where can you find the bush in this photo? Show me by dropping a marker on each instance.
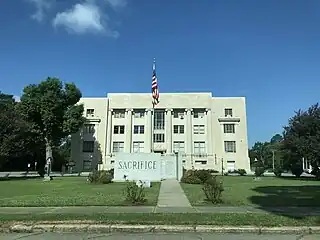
(259, 171)
(190, 177)
(278, 171)
(203, 175)
(242, 172)
(111, 171)
(297, 169)
(134, 193)
(213, 189)
(100, 177)
(213, 171)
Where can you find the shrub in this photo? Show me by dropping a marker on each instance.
(100, 177)
(259, 171)
(278, 171)
(111, 171)
(213, 189)
(203, 175)
(134, 193)
(297, 169)
(213, 171)
(242, 172)
(190, 177)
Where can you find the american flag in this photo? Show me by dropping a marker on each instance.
(154, 86)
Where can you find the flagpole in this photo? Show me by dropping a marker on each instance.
(152, 116)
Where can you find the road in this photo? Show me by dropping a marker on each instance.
(153, 236)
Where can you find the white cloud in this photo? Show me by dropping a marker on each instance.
(16, 98)
(88, 17)
(41, 7)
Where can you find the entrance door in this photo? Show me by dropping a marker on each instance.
(231, 165)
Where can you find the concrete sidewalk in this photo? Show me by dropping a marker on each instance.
(293, 211)
(172, 196)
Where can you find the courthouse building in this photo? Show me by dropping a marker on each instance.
(208, 132)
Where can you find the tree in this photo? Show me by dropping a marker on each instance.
(302, 137)
(17, 140)
(267, 153)
(51, 107)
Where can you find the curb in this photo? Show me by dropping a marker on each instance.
(90, 227)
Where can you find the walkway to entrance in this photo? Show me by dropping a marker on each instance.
(172, 195)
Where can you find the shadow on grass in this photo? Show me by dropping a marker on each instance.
(302, 178)
(291, 201)
(16, 178)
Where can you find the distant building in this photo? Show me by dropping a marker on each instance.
(207, 131)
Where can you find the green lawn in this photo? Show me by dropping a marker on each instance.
(267, 192)
(67, 191)
(226, 219)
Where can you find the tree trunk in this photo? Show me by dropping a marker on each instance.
(49, 155)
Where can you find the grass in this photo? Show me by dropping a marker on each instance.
(226, 219)
(266, 192)
(67, 191)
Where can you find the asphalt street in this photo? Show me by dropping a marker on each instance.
(153, 236)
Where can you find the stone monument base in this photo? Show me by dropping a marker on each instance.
(47, 178)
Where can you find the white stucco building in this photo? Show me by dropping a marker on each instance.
(208, 131)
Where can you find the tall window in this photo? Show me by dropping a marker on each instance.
(118, 129)
(138, 114)
(119, 114)
(138, 129)
(228, 112)
(117, 146)
(159, 119)
(230, 146)
(198, 114)
(88, 146)
(90, 112)
(178, 146)
(178, 129)
(88, 128)
(158, 137)
(199, 147)
(198, 129)
(138, 146)
(229, 128)
(178, 114)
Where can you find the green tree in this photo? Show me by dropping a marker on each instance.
(51, 107)
(302, 137)
(18, 141)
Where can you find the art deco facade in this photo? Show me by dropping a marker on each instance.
(208, 132)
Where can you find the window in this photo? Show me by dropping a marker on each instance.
(178, 114)
(119, 114)
(138, 129)
(178, 129)
(90, 112)
(117, 146)
(198, 114)
(159, 119)
(88, 128)
(230, 146)
(138, 146)
(88, 146)
(229, 128)
(118, 129)
(158, 137)
(178, 147)
(198, 129)
(228, 112)
(199, 147)
(138, 114)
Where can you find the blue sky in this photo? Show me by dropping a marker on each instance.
(267, 51)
